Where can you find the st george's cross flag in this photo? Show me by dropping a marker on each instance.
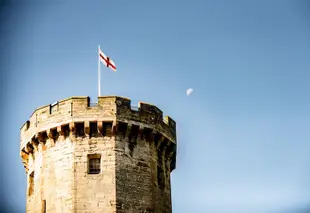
(106, 60)
(102, 58)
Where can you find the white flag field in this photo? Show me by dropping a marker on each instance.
(107, 61)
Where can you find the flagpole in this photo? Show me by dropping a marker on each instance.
(99, 71)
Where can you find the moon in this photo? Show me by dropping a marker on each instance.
(189, 91)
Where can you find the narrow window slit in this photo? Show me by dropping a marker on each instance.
(94, 163)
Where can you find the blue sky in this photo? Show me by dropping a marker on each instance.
(243, 134)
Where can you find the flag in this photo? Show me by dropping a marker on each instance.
(106, 60)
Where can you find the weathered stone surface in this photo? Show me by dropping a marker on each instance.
(137, 150)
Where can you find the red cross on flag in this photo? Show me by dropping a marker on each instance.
(106, 60)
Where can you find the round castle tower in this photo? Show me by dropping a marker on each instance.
(104, 157)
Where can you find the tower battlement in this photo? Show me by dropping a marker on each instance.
(107, 108)
(72, 129)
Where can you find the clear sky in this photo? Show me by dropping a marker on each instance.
(243, 134)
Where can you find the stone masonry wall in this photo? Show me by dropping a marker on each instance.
(137, 184)
(53, 173)
(57, 177)
(95, 192)
(133, 176)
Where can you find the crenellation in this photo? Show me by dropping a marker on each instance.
(171, 123)
(42, 115)
(107, 101)
(25, 126)
(38, 109)
(124, 102)
(150, 113)
(147, 114)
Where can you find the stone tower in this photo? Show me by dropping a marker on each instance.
(104, 157)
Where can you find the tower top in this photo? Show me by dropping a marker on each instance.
(77, 107)
(108, 108)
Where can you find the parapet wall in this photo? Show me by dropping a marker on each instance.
(112, 109)
(108, 108)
